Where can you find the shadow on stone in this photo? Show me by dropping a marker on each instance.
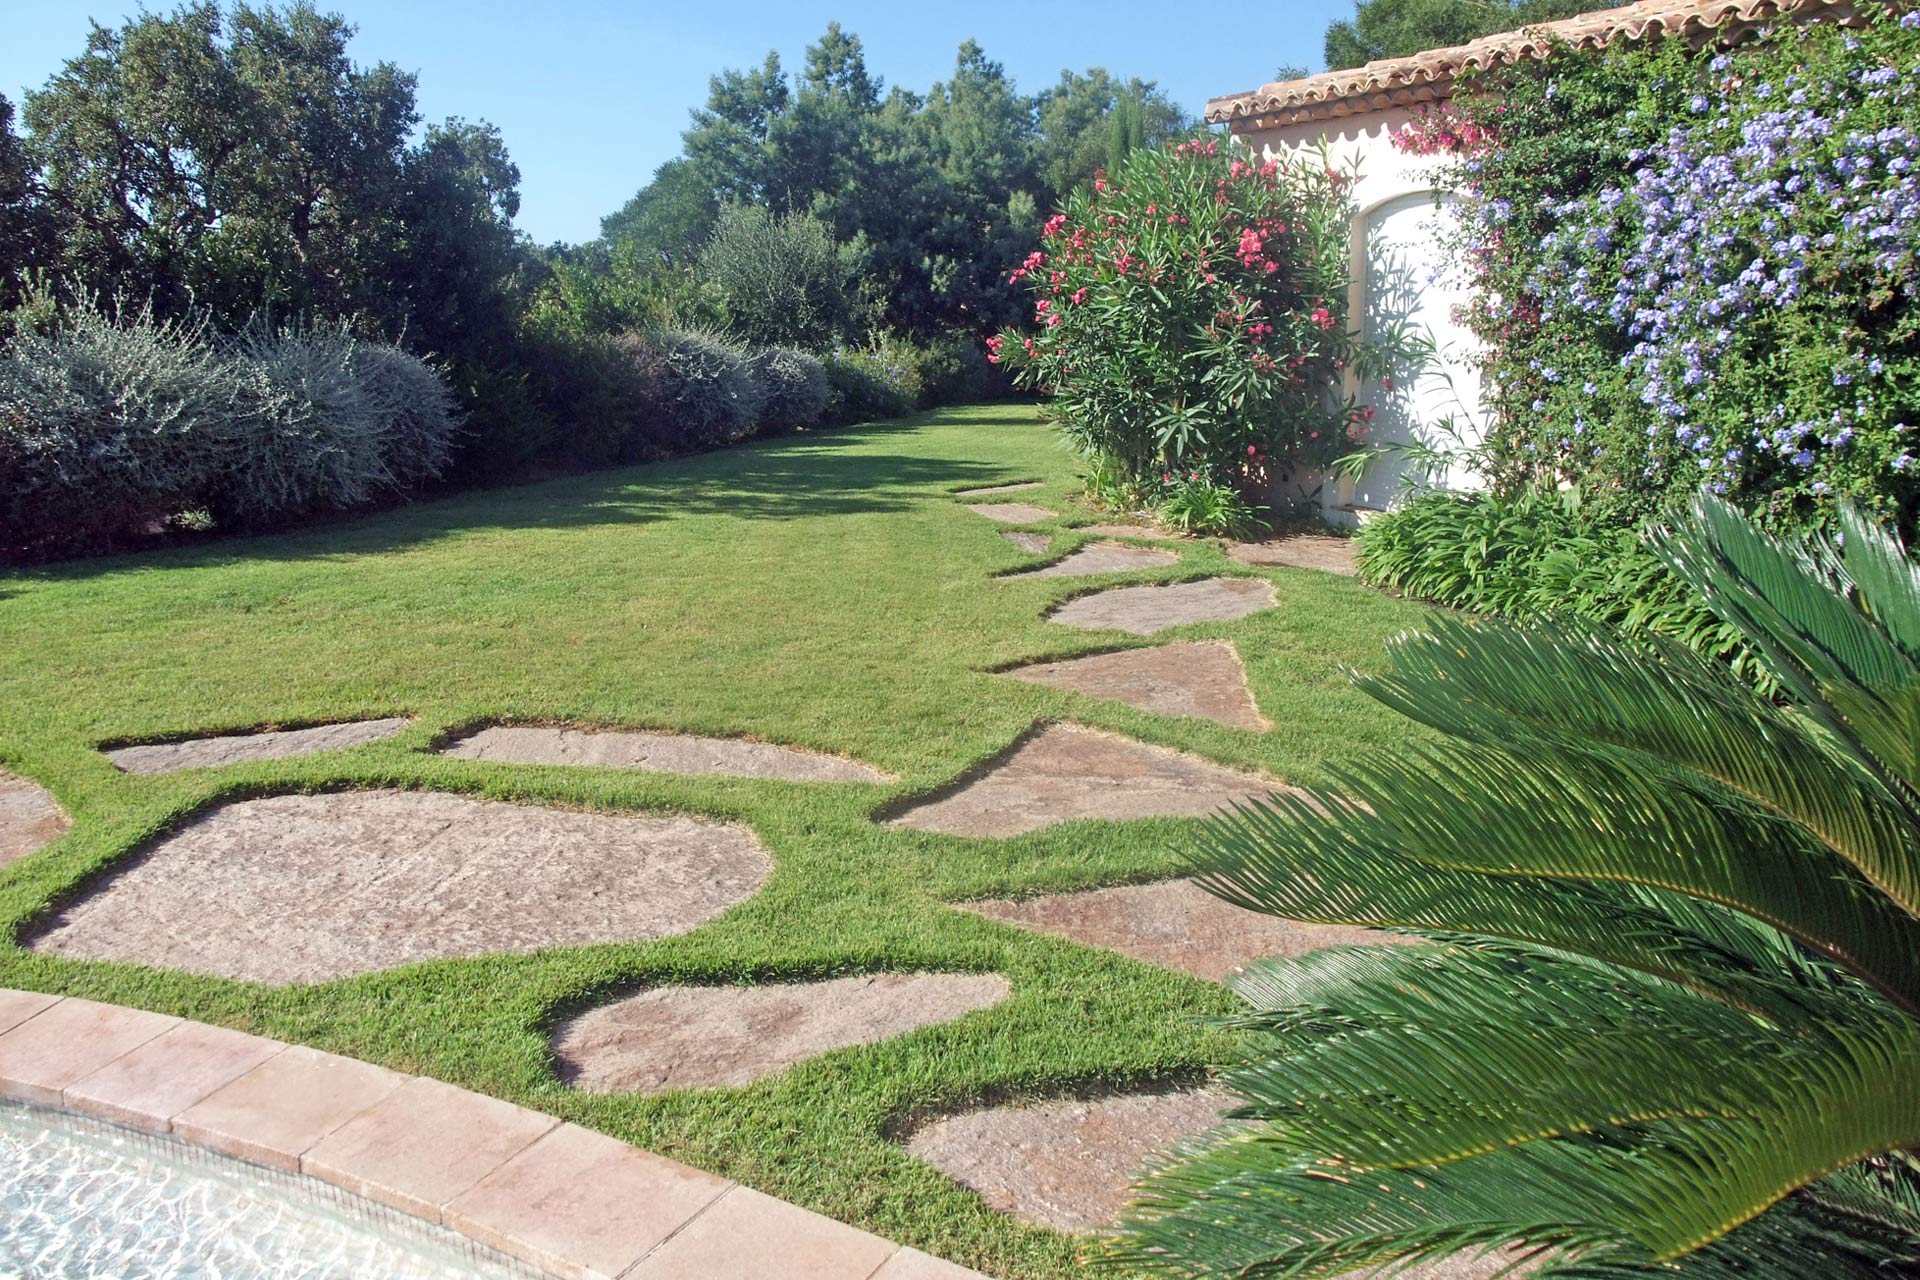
(306, 888)
(1063, 772)
(721, 1037)
(239, 748)
(1203, 680)
(661, 752)
(1146, 610)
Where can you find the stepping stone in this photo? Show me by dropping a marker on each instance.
(1069, 1165)
(1192, 679)
(1065, 772)
(999, 488)
(1011, 512)
(1301, 551)
(661, 752)
(1103, 557)
(239, 748)
(306, 888)
(1175, 923)
(1134, 531)
(30, 818)
(723, 1037)
(1032, 543)
(1145, 610)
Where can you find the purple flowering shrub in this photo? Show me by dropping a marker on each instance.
(1703, 269)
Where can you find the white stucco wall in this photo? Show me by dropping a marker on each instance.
(1398, 272)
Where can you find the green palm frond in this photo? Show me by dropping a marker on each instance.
(1665, 1018)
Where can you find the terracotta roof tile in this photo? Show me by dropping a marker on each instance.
(1428, 76)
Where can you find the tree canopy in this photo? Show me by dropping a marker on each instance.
(1397, 28)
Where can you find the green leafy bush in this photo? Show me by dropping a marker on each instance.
(508, 428)
(866, 386)
(779, 276)
(712, 396)
(1191, 307)
(1535, 556)
(793, 388)
(1197, 503)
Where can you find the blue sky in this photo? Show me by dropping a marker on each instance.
(592, 96)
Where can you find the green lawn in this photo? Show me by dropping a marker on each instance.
(824, 591)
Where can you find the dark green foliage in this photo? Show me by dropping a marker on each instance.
(778, 276)
(1535, 556)
(1671, 982)
(1397, 28)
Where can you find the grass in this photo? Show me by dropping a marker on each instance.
(822, 590)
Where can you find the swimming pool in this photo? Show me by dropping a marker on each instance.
(82, 1200)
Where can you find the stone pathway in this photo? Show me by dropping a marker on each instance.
(561, 1198)
(1146, 610)
(1032, 543)
(306, 888)
(1011, 512)
(992, 490)
(1174, 923)
(1070, 1164)
(239, 748)
(1102, 557)
(723, 1037)
(30, 818)
(1300, 551)
(661, 752)
(1065, 772)
(1203, 680)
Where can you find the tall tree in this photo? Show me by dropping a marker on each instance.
(667, 220)
(25, 239)
(1078, 118)
(1397, 28)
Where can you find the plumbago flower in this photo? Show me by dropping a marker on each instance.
(1725, 288)
(1189, 311)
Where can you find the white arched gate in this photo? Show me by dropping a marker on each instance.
(1405, 276)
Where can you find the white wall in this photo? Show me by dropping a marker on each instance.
(1399, 273)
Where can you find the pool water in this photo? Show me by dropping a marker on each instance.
(81, 1199)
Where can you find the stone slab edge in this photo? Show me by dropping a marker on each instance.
(37, 1067)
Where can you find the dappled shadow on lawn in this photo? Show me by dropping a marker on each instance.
(788, 478)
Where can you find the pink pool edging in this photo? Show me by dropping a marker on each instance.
(577, 1204)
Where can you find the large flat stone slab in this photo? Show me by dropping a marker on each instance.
(1300, 551)
(1146, 610)
(1065, 772)
(661, 752)
(239, 748)
(1134, 531)
(1175, 923)
(992, 490)
(306, 888)
(723, 1037)
(1103, 557)
(1069, 1165)
(1204, 680)
(1011, 512)
(30, 818)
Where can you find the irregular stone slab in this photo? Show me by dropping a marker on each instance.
(661, 752)
(723, 1037)
(238, 748)
(1145, 610)
(1301, 551)
(1034, 543)
(1103, 557)
(999, 488)
(306, 888)
(30, 818)
(1175, 923)
(1065, 772)
(1069, 1165)
(1194, 679)
(1134, 531)
(1011, 512)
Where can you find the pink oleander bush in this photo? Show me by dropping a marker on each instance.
(1189, 314)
